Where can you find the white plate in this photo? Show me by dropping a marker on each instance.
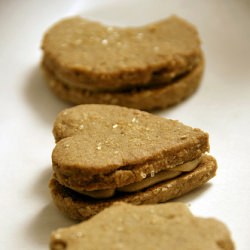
(221, 107)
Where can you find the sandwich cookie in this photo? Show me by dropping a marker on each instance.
(107, 153)
(159, 64)
(124, 226)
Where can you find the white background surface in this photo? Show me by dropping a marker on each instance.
(220, 107)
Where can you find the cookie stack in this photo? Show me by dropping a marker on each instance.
(149, 67)
(108, 158)
(107, 153)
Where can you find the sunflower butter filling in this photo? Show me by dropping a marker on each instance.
(147, 182)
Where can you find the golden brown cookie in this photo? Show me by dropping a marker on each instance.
(87, 62)
(123, 226)
(106, 153)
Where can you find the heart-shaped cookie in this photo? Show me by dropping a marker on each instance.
(87, 62)
(106, 153)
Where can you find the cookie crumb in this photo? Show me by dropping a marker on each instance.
(99, 146)
(105, 41)
(135, 120)
(81, 126)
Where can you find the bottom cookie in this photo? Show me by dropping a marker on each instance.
(145, 98)
(80, 207)
(123, 226)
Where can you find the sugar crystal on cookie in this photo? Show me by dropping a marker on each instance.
(105, 41)
(81, 126)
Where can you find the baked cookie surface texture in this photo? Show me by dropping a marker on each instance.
(148, 67)
(107, 153)
(165, 226)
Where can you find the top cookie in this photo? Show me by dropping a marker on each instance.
(102, 138)
(97, 57)
(95, 141)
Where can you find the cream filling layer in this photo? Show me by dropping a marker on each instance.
(147, 182)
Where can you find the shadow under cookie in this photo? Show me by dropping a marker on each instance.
(39, 97)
